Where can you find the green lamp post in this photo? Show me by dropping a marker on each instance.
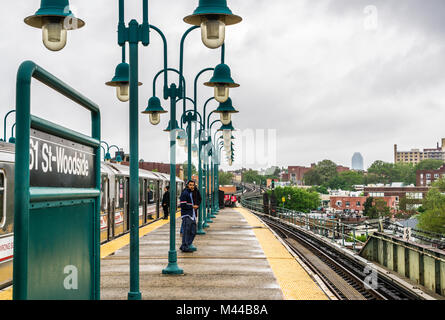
(213, 16)
(134, 34)
(54, 18)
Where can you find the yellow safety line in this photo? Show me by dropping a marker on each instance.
(114, 245)
(6, 294)
(293, 280)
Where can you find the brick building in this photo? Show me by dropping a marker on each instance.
(416, 194)
(416, 155)
(427, 177)
(296, 173)
(356, 204)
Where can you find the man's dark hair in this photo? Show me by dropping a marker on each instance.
(167, 187)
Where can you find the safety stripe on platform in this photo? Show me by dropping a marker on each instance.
(293, 280)
(6, 294)
(114, 245)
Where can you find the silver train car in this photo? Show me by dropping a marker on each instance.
(114, 211)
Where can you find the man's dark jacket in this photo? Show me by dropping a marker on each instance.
(166, 199)
(186, 202)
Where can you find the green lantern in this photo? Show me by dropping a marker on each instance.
(107, 156)
(155, 110)
(118, 158)
(212, 16)
(182, 138)
(54, 18)
(121, 81)
(222, 81)
(225, 111)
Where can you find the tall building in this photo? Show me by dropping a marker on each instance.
(357, 162)
(415, 155)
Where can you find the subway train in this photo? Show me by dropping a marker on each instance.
(114, 217)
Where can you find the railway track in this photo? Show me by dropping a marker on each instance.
(344, 276)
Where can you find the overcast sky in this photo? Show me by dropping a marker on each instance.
(326, 77)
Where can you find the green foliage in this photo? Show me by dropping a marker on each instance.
(225, 178)
(433, 217)
(319, 189)
(252, 176)
(375, 208)
(361, 238)
(297, 199)
(429, 164)
(405, 205)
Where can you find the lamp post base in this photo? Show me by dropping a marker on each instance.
(212, 216)
(172, 269)
(209, 220)
(192, 247)
(205, 225)
(134, 296)
(200, 232)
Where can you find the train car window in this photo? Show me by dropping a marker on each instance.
(141, 191)
(104, 194)
(2, 199)
(151, 189)
(120, 192)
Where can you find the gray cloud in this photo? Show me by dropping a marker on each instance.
(308, 69)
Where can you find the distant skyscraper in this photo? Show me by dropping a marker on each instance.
(357, 162)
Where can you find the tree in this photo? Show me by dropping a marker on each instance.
(251, 176)
(346, 180)
(375, 208)
(429, 164)
(312, 178)
(225, 178)
(367, 206)
(433, 218)
(326, 169)
(297, 199)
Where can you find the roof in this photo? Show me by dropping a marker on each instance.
(409, 223)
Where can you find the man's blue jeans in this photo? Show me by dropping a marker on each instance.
(188, 233)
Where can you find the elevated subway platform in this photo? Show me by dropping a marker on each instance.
(238, 259)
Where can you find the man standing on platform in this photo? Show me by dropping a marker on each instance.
(188, 215)
(166, 201)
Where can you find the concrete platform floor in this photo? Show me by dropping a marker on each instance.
(229, 265)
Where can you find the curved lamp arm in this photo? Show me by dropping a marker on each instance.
(205, 108)
(161, 72)
(12, 130)
(164, 40)
(196, 84)
(108, 146)
(113, 146)
(4, 122)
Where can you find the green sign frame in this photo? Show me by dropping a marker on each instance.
(56, 230)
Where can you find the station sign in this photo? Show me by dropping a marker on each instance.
(58, 162)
